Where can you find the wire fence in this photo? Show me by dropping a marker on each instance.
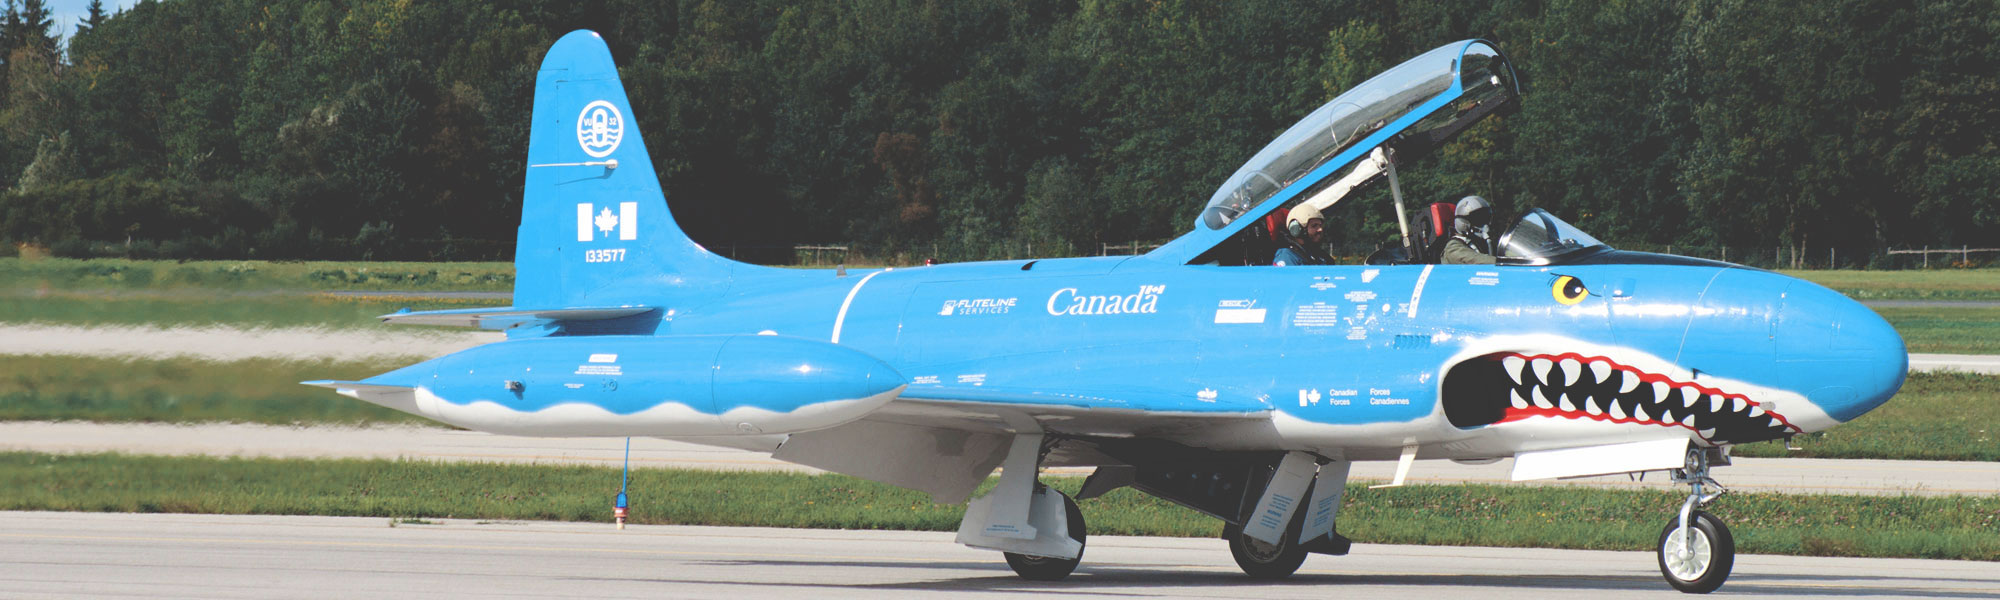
(1766, 257)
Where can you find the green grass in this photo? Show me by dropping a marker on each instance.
(122, 274)
(1944, 284)
(249, 309)
(1953, 330)
(38, 388)
(1956, 527)
(1937, 416)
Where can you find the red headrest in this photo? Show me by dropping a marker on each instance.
(1275, 226)
(1442, 215)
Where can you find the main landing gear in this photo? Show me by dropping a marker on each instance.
(1262, 560)
(1044, 568)
(1696, 551)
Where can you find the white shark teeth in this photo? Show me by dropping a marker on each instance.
(1660, 390)
(1542, 400)
(1616, 411)
(1688, 421)
(1715, 404)
(1688, 399)
(1513, 366)
(1627, 382)
(1519, 402)
(1592, 408)
(1601, 370)
(1542, 367)
(1639, 413)
(1737, 405)
(1756, 410)
(1570, 371)
(1565, 404)
(1706, 434)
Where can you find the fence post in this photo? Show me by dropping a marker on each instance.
(1965, 255)
(1927, 256)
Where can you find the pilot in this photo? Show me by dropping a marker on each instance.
(1305, 230)
(1468, 244)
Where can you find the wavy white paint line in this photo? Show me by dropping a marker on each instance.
(221, 343)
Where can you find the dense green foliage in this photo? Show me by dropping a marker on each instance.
(390, 128)
(1957, 527)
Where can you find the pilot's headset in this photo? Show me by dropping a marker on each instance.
(1295, 221)
(1473, 215)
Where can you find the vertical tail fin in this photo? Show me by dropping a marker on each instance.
(595, 229)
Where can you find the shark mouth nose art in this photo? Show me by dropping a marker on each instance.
(1511, 386)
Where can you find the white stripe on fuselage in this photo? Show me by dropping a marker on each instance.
(1417, 294)
(841, 319)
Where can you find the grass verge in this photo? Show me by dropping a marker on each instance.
(1944, 284)
(236, 309)
(1952, 527)
(122, 274)
(1955, 330)
(43, 388)
(1937, 416)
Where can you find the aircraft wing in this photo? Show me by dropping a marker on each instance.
(504, 317)
(946, 439)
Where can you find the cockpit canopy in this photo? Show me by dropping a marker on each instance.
(1409, 109)
(1541, 238)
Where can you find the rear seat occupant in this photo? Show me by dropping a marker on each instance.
(1305, 230)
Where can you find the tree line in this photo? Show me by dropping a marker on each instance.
(335, 129)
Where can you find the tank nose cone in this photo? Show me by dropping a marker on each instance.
(1840, 354)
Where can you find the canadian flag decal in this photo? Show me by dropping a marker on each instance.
(592, 221)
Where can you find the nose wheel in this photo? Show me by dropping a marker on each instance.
(1696, 551)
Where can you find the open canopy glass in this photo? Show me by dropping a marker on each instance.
(1410, 109)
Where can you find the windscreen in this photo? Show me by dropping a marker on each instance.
(1540, 235)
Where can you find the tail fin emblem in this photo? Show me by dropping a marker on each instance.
(589, 225)
(599, 128)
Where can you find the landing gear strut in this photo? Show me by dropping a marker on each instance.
(1696, 550)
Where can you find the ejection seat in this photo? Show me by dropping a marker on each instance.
(1433, 230)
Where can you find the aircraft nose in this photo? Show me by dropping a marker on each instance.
(1842, 355)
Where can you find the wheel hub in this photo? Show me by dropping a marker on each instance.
(1689, 560)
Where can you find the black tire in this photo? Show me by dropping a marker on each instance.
(1042, 568)
(1265, 561)
(1709, 566)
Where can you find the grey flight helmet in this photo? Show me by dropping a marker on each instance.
(1473, 215)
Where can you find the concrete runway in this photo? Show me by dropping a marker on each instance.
(1787, 475)
(1971, 363)
(82, 555)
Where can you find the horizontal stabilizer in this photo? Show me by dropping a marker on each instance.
(504, 317)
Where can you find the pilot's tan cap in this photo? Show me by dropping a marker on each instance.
(1302, 213)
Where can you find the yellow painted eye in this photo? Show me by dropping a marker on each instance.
(1569, 290)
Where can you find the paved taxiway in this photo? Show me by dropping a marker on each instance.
(76, 555)
(1789, 475)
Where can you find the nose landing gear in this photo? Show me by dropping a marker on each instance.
(1696, 551)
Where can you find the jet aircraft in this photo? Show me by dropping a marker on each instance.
(1190, 373)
